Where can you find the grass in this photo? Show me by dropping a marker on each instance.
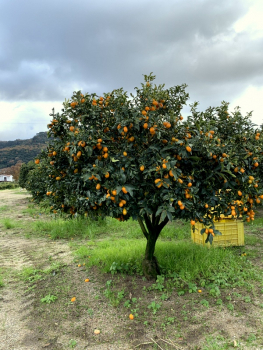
(4, 208)
(86, 228)
(1, 279)
(8, 224)
(181, 260)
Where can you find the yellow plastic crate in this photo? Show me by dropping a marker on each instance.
(232, 233)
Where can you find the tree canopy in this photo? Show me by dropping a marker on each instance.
(136, 156)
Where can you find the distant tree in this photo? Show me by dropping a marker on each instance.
(24, 172)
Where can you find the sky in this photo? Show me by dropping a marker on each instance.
(48, 49)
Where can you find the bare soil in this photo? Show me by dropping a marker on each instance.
(183, 322)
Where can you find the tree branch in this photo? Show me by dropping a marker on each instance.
(144, 231)
(161, 226)
(148, 223)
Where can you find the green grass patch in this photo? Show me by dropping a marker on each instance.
(31, 274)
(8, 223)
(34, 210)
(254, 225)
(1, 279)
(88, 228)
(181, 260)
(4, 208)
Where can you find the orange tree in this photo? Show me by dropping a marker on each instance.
(135, 157)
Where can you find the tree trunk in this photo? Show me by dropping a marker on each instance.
(150, 265)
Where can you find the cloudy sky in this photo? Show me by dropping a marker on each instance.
(50, 48)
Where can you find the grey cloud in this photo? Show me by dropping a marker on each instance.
(50, 48)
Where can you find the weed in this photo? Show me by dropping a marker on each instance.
(8, 224)
(154, 306)
(159, 284)
(251, 338)
(247, 299)
(204, 302)
(48, 299)
(4, 208)
(230, 307)
(1, 280)
(72, 343)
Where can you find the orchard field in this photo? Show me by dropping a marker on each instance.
(62, 281)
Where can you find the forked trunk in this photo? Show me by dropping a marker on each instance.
(150, 265)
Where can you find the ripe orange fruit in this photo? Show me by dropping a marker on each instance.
(114, 192)
(71, 128)
(145, 125)
(192, 222)
(37, 161)
(124, 212)
(125, 154)
(87, 280)
(142, 167)
(124, 190)
(97, 186)
(73, 299)
(144, 112)
(239, 193)
(188, 148)
(73, 104)
(107, 175)
(125, 129)
(131, 317)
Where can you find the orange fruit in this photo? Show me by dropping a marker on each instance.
(87, 280)
(73, 299)
(125, 154)
(145, 125)
(114, 192)
(98, 187)
(131, 317)
(188, 148)
(124, 212)
(142, 167)
(37, 161)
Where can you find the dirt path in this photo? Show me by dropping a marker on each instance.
(16, 254)
(25, 322)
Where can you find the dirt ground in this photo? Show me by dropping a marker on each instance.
(28, 324)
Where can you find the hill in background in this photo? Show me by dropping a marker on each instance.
(21, 151)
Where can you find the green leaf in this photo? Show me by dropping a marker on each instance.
(163, 216)
(169, 215)
(202, 231)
